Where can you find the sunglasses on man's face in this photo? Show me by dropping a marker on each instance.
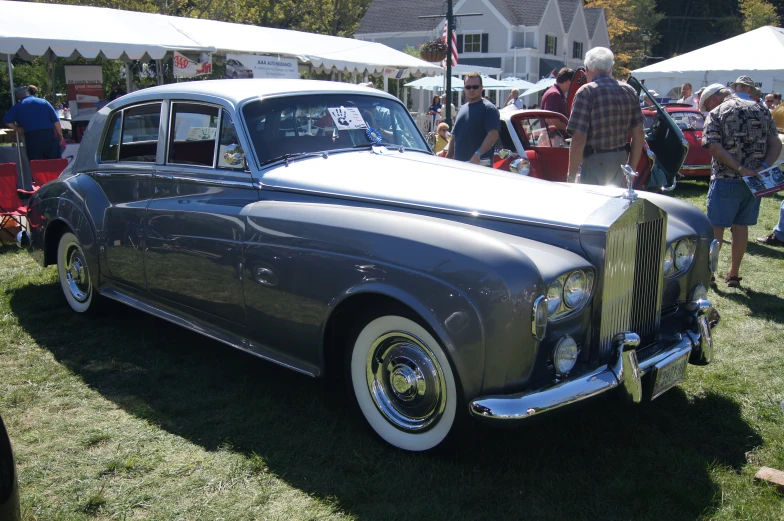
(472, 87)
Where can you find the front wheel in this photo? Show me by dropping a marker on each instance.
(74, 274)
(403, 383)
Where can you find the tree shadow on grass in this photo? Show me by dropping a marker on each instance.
(604, 460)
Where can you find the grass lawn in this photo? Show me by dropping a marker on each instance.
(129, 417)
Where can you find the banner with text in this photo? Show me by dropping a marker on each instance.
(83, 88)
(255, 66)
(187, 68)
(396, 73)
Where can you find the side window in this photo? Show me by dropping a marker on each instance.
(111, 144)
(228, 138)
(194, 131)
(140, 133)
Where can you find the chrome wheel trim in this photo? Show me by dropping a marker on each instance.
(77, 277)
(406, 382)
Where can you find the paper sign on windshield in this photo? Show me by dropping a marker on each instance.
(347, 118)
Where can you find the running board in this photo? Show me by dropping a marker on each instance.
(205, 328)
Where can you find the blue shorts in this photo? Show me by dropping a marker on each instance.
(731, 202)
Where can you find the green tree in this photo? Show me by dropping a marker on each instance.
(627, 21)
(758, 13)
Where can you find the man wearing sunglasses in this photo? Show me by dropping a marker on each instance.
(476, 126)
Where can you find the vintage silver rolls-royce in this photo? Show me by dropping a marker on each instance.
(309, 223)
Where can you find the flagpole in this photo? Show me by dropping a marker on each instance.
(448, 91)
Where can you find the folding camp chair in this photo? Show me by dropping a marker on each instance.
(42, 171)
(11, 208)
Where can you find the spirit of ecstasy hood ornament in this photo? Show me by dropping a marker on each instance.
(630, 174)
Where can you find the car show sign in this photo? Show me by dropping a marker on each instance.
(256, 66)
(84, 88)
(184, 67)
(391, 72)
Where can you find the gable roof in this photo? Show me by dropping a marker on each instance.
(527, 13)
(568, 9)
(592, 15)
(398, 16)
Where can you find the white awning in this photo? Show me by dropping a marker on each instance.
(758, 53)
(30, 29)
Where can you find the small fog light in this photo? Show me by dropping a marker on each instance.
(713, 260)
(539, 318)
(565, 355)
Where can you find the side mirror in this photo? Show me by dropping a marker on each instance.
(234, 155)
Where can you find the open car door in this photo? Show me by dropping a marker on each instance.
(578, 81)
(665, 139)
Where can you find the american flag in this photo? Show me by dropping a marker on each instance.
(454, 44)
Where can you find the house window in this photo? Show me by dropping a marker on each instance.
(577, 50)
(550, 44)
(472, 43)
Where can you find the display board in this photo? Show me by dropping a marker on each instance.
(84, 89)
(256, 66)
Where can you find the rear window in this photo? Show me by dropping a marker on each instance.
(132, 135)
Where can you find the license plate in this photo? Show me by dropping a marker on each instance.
(668, 374)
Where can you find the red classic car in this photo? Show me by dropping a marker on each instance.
(534, 143)
(690, 120)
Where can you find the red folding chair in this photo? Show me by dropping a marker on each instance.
(11, 208)
(42, 171)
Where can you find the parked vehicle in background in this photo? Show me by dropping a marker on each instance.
(540, 148)
(235, 69)
(308, 223)
(9, 483)
(691, 122)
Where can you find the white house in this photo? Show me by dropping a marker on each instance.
(526, 38)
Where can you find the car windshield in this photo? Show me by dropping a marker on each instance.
(285, 126)
(688, 120)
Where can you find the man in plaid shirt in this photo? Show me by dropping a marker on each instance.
(604, 112)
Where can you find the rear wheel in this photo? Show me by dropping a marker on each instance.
(403, 383)
(74, 274)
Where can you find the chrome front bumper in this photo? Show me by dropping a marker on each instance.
(625, 374)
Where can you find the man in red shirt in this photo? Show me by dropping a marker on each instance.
(555, 97)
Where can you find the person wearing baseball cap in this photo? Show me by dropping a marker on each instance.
(38, 121)
(742, 138)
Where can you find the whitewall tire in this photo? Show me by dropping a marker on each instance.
(403, 383)
(74, 274)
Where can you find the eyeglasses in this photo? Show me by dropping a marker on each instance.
(472, 87)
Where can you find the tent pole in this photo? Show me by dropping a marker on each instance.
(20, 182)
(51, 76)
(128, 80)
(159, 71)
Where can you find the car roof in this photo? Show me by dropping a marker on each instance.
(680, 107)
(237, 90)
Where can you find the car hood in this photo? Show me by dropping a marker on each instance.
(422, 181)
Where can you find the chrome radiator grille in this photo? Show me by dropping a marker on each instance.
(631, 298)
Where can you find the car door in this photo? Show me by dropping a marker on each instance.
(539, 132)
(195, 229)
(127, 164)
(664, 138)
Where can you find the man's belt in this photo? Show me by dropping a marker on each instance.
(589, 150)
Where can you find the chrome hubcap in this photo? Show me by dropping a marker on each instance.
(76, 273)
(405, 381)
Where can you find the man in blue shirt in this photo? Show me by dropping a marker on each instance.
(38, 121)
(476, 126)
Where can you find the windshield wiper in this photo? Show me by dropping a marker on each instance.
(369, 145)
(297, 155)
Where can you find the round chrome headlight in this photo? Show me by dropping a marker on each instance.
(575, 289)
(668, 261)
(565, 355)
(684, 254)
(554, 296)
(713, 258)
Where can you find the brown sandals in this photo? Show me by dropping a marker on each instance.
(733, 282)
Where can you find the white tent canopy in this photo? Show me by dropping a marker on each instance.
(30, 29)
(434, 83)
(539, 86)
(758, 53)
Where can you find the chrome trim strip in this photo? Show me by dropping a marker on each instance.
(207, 181)
(696, 167)
(204, 328)
(123, 175)
(526, 405)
